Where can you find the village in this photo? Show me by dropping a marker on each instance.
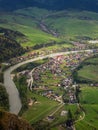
(54, 79)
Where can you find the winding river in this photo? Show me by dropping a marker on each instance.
(14, 99)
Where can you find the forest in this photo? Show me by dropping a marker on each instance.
(9, 44)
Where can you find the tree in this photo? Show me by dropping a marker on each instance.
(69, 121)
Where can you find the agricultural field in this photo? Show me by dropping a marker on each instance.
(39, 110)
(88, 70)
(89, 94)
(89, 102)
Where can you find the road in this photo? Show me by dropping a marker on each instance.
(14, 100)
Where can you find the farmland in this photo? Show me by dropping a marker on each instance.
(88, 99)
(88, 71)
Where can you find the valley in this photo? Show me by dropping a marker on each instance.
(48, 62)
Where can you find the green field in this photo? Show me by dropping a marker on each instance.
(89, 94)
(93, 60)
(88, 99)
(34, 35)
(27, 25)
(40, 110)
(72, 24)
(88, 70)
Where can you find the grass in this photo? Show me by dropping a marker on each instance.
(74, 27)
(34, 35)
(40, 110)
(92, 61)
(89, 72)
(88, 99)
(89, 95)
(71, 25)
(28, 26)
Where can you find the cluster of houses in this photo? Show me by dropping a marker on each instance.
(52, 95)
(71, 61)
(54, 66)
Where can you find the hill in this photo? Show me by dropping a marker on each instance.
(43, 27)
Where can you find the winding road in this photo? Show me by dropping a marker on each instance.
(14, 99)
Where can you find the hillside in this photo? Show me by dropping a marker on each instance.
(37, 28)
(12, 122)
(43, 26)
(77, 25)
(27, 21)
(9, 48)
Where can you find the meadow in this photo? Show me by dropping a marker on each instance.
(27, 25)
(40, 110)
(72, 24)
(88, 70)
(89, 102)
(89, 94)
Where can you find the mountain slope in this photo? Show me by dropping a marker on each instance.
(40, 25)
(9, 48)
